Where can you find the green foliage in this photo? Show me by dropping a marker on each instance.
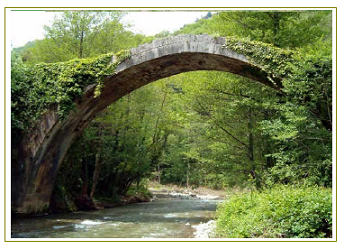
(302, 116)
(282, 211)
(200, 128)
(18, 89)
(139, 189)
(81, 34)
(109, 69)
(303, 147)
(77, 34)
(284, 29)
(274, 61)
(129, 139)
(58, 84)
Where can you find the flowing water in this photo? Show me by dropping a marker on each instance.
(165, 217)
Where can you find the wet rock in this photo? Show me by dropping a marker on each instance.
(136, 198)
(205, 230)
(192, 195)
(208, 197)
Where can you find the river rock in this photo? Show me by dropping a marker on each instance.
(205, 230)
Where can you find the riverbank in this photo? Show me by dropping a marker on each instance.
(186, 192)
(68, 204)
(125, 200)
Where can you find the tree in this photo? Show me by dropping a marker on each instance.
(82, 34)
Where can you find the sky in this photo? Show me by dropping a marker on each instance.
(28, 25)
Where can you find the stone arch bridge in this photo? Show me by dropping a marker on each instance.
(44, 149)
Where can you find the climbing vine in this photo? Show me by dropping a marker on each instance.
(58, 85)
(119, 57)
(274, 61)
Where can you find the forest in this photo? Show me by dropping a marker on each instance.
(199, 129)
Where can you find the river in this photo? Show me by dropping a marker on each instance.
(166, 217)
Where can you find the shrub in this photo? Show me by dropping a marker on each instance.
(279, 212)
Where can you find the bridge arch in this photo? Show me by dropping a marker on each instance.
(45, 147)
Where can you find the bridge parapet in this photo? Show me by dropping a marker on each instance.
(179, 44)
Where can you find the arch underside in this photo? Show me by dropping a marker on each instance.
(137, 76)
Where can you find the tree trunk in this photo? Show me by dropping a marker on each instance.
(98, 163)
(127, 114)
(159, 177)
(96, 175)
(187, 175)
(268, 150)
(156, 153)
(251, 148)
(250, 143)
(81, 44)
(85, 178)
